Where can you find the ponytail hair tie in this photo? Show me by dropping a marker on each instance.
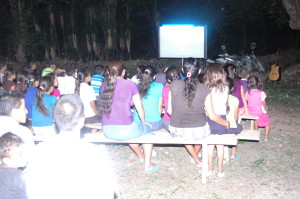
(147, 71)
(176, 75)
(189, 74)
(41, 88)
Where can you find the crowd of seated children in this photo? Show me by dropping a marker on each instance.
(133, 109)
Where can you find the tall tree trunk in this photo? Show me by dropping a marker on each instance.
(52, 33)
(127, 33)
(89, 47)
(62, 26)
(111, 23)
(293, 9)
(17, 9)
(95, 45)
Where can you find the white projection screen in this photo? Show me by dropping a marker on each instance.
(182, 41)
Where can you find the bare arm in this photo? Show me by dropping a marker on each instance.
(137, 101)
(211, 113)
(93, 105)
(169, 111)
(265, 105)
(243, 95)
(160, 105)
(236, 113)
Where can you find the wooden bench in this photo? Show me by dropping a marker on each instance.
(163, 137)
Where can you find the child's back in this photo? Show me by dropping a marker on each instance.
(97, 79)
(12, 182)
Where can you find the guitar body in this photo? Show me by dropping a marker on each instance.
(274, 73)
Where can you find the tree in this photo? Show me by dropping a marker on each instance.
(293, 9)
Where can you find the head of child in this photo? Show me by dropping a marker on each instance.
(147, 76)
(215, 77)
(12, 151)
(255, 83)
(84, 75)
(243, 73)
(3, 67)
(190, 70)
(50, 64)
(230, 70)
(99, 70)
(70, 70)
(160, 68)
(22, 81)
(32, 66)
(68, 113)
(46, 86)
(9, 74)
(12, 105)
(54, 77)
(32, 80)
(172, 74)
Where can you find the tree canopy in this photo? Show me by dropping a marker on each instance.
(97, 29)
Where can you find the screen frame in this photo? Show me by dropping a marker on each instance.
(182, 25)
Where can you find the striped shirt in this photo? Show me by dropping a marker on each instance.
(96, 83)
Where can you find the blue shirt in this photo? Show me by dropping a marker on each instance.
(38, 118)
(96, 83)
(150, 103)
(29, 98)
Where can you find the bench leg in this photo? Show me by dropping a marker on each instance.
(204, 163)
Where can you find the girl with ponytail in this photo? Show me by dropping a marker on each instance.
(186, 102)
(117, 96)
(42, 119)
(87, 95)
(171, 74)
(151, 93)
(32, 82)
(22, 81)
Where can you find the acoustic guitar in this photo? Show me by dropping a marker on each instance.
(274, 73)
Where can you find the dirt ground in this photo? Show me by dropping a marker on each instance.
(266, 169)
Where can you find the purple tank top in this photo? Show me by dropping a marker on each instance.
(237, 92)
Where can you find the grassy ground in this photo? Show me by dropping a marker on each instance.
(266, 169)
(287, 94)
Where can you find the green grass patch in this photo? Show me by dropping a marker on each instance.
(287, 94)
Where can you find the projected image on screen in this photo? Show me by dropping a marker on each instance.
(181, 41)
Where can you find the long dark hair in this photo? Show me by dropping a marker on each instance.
(82, 74)
(255, 83)
(22, 82)
(32, 78)
(45, 85)
(172, 74)
(190, 70)
(147, 75)
(114, 69)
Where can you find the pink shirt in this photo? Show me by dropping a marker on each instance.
(255, 100)
(56, 93)
(165, 96)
